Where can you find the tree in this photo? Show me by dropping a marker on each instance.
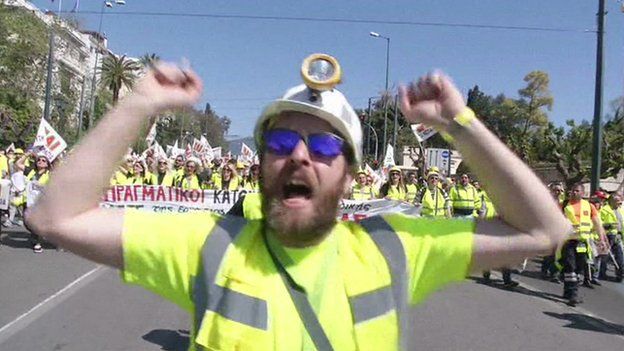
(568, 150)
(118, 72)
(23, 51)
(148, 60)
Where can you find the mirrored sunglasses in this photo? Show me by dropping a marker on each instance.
(282, 142)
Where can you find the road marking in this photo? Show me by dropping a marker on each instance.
(37, 311)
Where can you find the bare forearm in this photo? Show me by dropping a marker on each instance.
(519, 196)
(79, 183)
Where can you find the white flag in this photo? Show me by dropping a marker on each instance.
(205, 143)
(198, 147)
(10, 148)
(246, 152)
(151, 136)
(51, 142)
(216, 152)
(389, 159)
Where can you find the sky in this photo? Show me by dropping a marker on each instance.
(246, 62)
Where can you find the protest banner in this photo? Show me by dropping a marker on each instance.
(5, 194)
(51, 142)
(176, 200)
(423, 132)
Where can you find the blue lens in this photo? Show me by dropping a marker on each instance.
(281, 142)
(325, 144)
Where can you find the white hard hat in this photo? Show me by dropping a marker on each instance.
(330, 106)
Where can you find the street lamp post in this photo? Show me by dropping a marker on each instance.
(95, 65)
(377, 35)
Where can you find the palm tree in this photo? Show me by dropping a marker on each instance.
(118, 72)
(148, 59)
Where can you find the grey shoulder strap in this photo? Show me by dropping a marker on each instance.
(388, 242)
(302, 304)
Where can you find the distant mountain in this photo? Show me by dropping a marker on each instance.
(235, 145)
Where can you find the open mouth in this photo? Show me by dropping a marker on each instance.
(296, 190)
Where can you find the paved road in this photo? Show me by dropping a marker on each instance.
(56, 301)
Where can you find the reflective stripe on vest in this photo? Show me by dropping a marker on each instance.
(584, 224)
(362, 192)
(412, 191)
(371, 304)
(609, 220)
(251, 311)
(433, 203)
(388, 242)
(464, 198)
(208, 296)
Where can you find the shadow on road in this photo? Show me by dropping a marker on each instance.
(584, 322)
(497, 284)
(19, 238)
(169, 340)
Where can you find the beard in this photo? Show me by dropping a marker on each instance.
(290, 226)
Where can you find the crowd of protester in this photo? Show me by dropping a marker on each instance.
(437, 195)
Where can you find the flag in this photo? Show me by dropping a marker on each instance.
(216, 152)
(51, 142)
(205, 142)
(189, 151)
(198, 148)
(11, 148)
(246, 152)
(151, 136)
(389, 159)
(422, 132)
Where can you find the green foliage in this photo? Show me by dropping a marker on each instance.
(185, 124)
(23, 52)
(517, 122)
(118, 72)
(147, 60)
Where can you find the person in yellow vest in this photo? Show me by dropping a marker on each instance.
(178, 167)
(361, 191)
(39, 175)
(215, 177)
(370, 181)
(248, 206)
(4, 167)
(574, 252)
(411, 187)
(612, 217)
(190, 179)
(252, 183)
(298, 279)
(433, 200)
(487, 210)
(125, 171)
(394, 188)
(597, 255)
(464, 199)
(549, 268)
(164, 176)
(140, 175)
(229, 178)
